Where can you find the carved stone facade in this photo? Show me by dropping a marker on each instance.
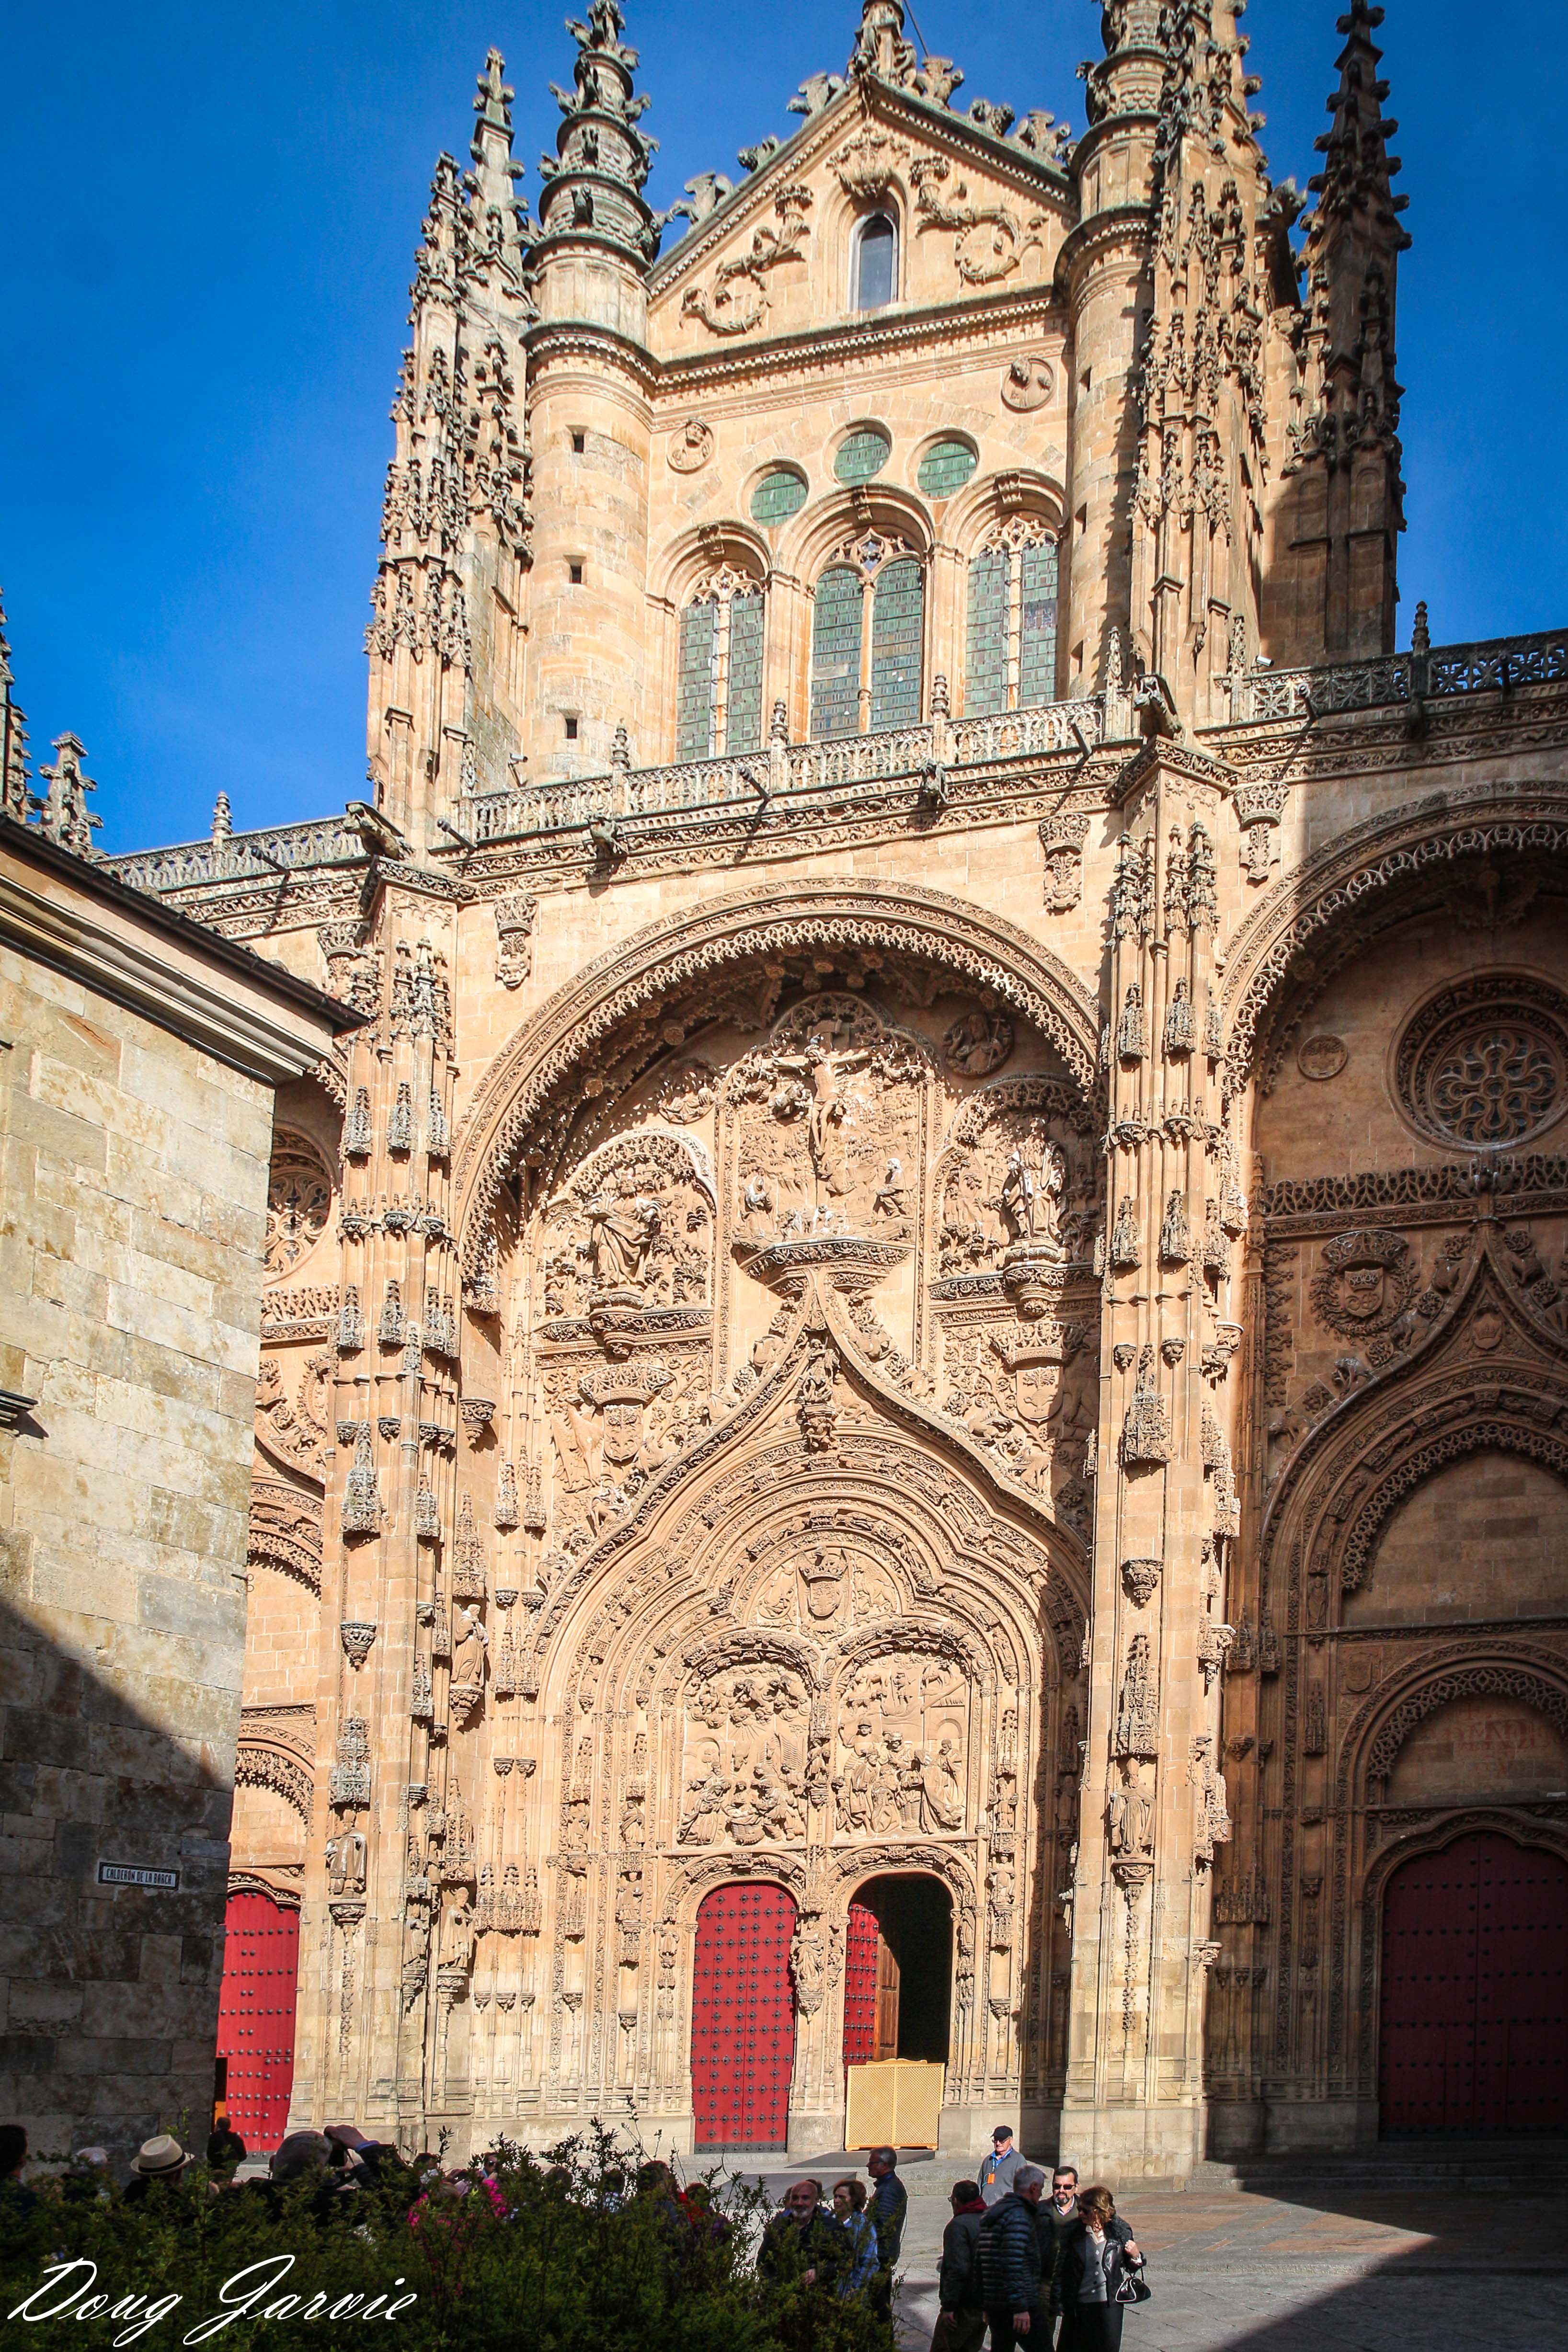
(910, 1223)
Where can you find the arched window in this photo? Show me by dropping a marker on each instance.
(719, 693)
(868, 635)
(1010, 654)
(876, 262)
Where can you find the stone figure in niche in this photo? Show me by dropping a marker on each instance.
(622, 1230)
(346, 1862)
(1130, 1817)
(469, 1642)
(941, 1796)
(456, 1946)
(820, 1071)
(1136, 1731)
(1030, 1199)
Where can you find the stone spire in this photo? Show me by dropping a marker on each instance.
(14, 793)
(455, 524)
(593, 182)
(1344, 451)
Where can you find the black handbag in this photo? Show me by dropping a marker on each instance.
(1132, 2288)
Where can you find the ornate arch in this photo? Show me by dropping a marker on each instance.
(1485, 1681)
(528, 1094)
(285, 1532)
(1485, 1436)
(257, 1766)
(1318, 902)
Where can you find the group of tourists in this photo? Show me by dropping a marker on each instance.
(1016, 2261)
(850, 2247)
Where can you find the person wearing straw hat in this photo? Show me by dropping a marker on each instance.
(159, 2163)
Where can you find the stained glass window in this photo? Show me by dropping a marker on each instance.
(777, 495)
(743, 703)
(836, 654)
(876, 263)
(898, 612)
(862, 455)
(1010, 645)
(1037, 624)
(945, 467)
(694, 693)
(985, 657)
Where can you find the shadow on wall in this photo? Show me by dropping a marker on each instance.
(109, 1989)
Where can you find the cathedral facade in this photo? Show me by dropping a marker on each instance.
(914, 1400)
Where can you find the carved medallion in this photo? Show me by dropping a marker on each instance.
(1321, 1057)
(1028, 382)
(977, 1043)
(1364, 1283)
(691, 447)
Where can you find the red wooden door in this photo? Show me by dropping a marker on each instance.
(256, 2016)
(1474, 1991)
(861, 1946)
(742, 2018)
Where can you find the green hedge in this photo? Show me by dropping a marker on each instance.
(560, 2267)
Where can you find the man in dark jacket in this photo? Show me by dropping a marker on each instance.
(960, 2323)
(888, 2204)
(1015, 2297)
(1055, 2218)
(803, 2242)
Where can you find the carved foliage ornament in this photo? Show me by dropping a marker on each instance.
(738, 299)
(991, 241)
(1485, 1063)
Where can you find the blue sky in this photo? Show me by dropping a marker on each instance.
(211, 216)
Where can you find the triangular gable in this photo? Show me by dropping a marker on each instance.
(977, 212)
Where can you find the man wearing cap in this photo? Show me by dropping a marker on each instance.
(158, 2165)
(996, 2171)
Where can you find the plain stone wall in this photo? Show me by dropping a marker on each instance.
(130, 1249)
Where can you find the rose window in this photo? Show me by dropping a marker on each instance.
(1486, 1064)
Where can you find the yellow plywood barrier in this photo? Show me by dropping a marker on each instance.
(893, 2103)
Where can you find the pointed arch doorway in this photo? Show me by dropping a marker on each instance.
(1474, 2023)
(743, 2019)
(898, 2002)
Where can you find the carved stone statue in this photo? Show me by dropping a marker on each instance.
(346, 1862)
(469, 1642)
(455, 1948)
(622, 1229)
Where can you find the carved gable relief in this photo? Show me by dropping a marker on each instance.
(632, 1231)
(828, 1120)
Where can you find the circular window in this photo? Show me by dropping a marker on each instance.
(779, 495)
(1485, 1064)
(945, 467)
(298, 1201)
(864, 453)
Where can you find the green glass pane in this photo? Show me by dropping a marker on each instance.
(836, 654)
(897, 612)
(744, 719)
(777, 495)
(1037, 627)
(863, 454)
(985, 655)
(945, 469)
(694, 690)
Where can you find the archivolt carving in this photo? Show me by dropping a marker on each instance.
(269, 1767)
(1489, 1681)
(1355, 870)
(1471, 1436)
(285, 1532)
(531, 1089)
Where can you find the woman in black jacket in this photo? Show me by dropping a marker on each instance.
(1093, 2261)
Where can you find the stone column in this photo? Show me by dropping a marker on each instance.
(1165, 1511)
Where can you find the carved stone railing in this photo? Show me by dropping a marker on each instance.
(1492, 664)
(748, 779)
(243, 857)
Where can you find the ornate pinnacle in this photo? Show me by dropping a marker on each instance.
(1353, 184)
(593, 182)
(63, 812)
(14, 793)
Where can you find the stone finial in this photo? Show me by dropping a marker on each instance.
(223, 823)
(778, 733)
(63, 814)
(596, 178)
(1421, 635)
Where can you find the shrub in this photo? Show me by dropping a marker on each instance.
(519, 2254)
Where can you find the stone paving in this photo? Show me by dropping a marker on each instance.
(1370, 2272)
